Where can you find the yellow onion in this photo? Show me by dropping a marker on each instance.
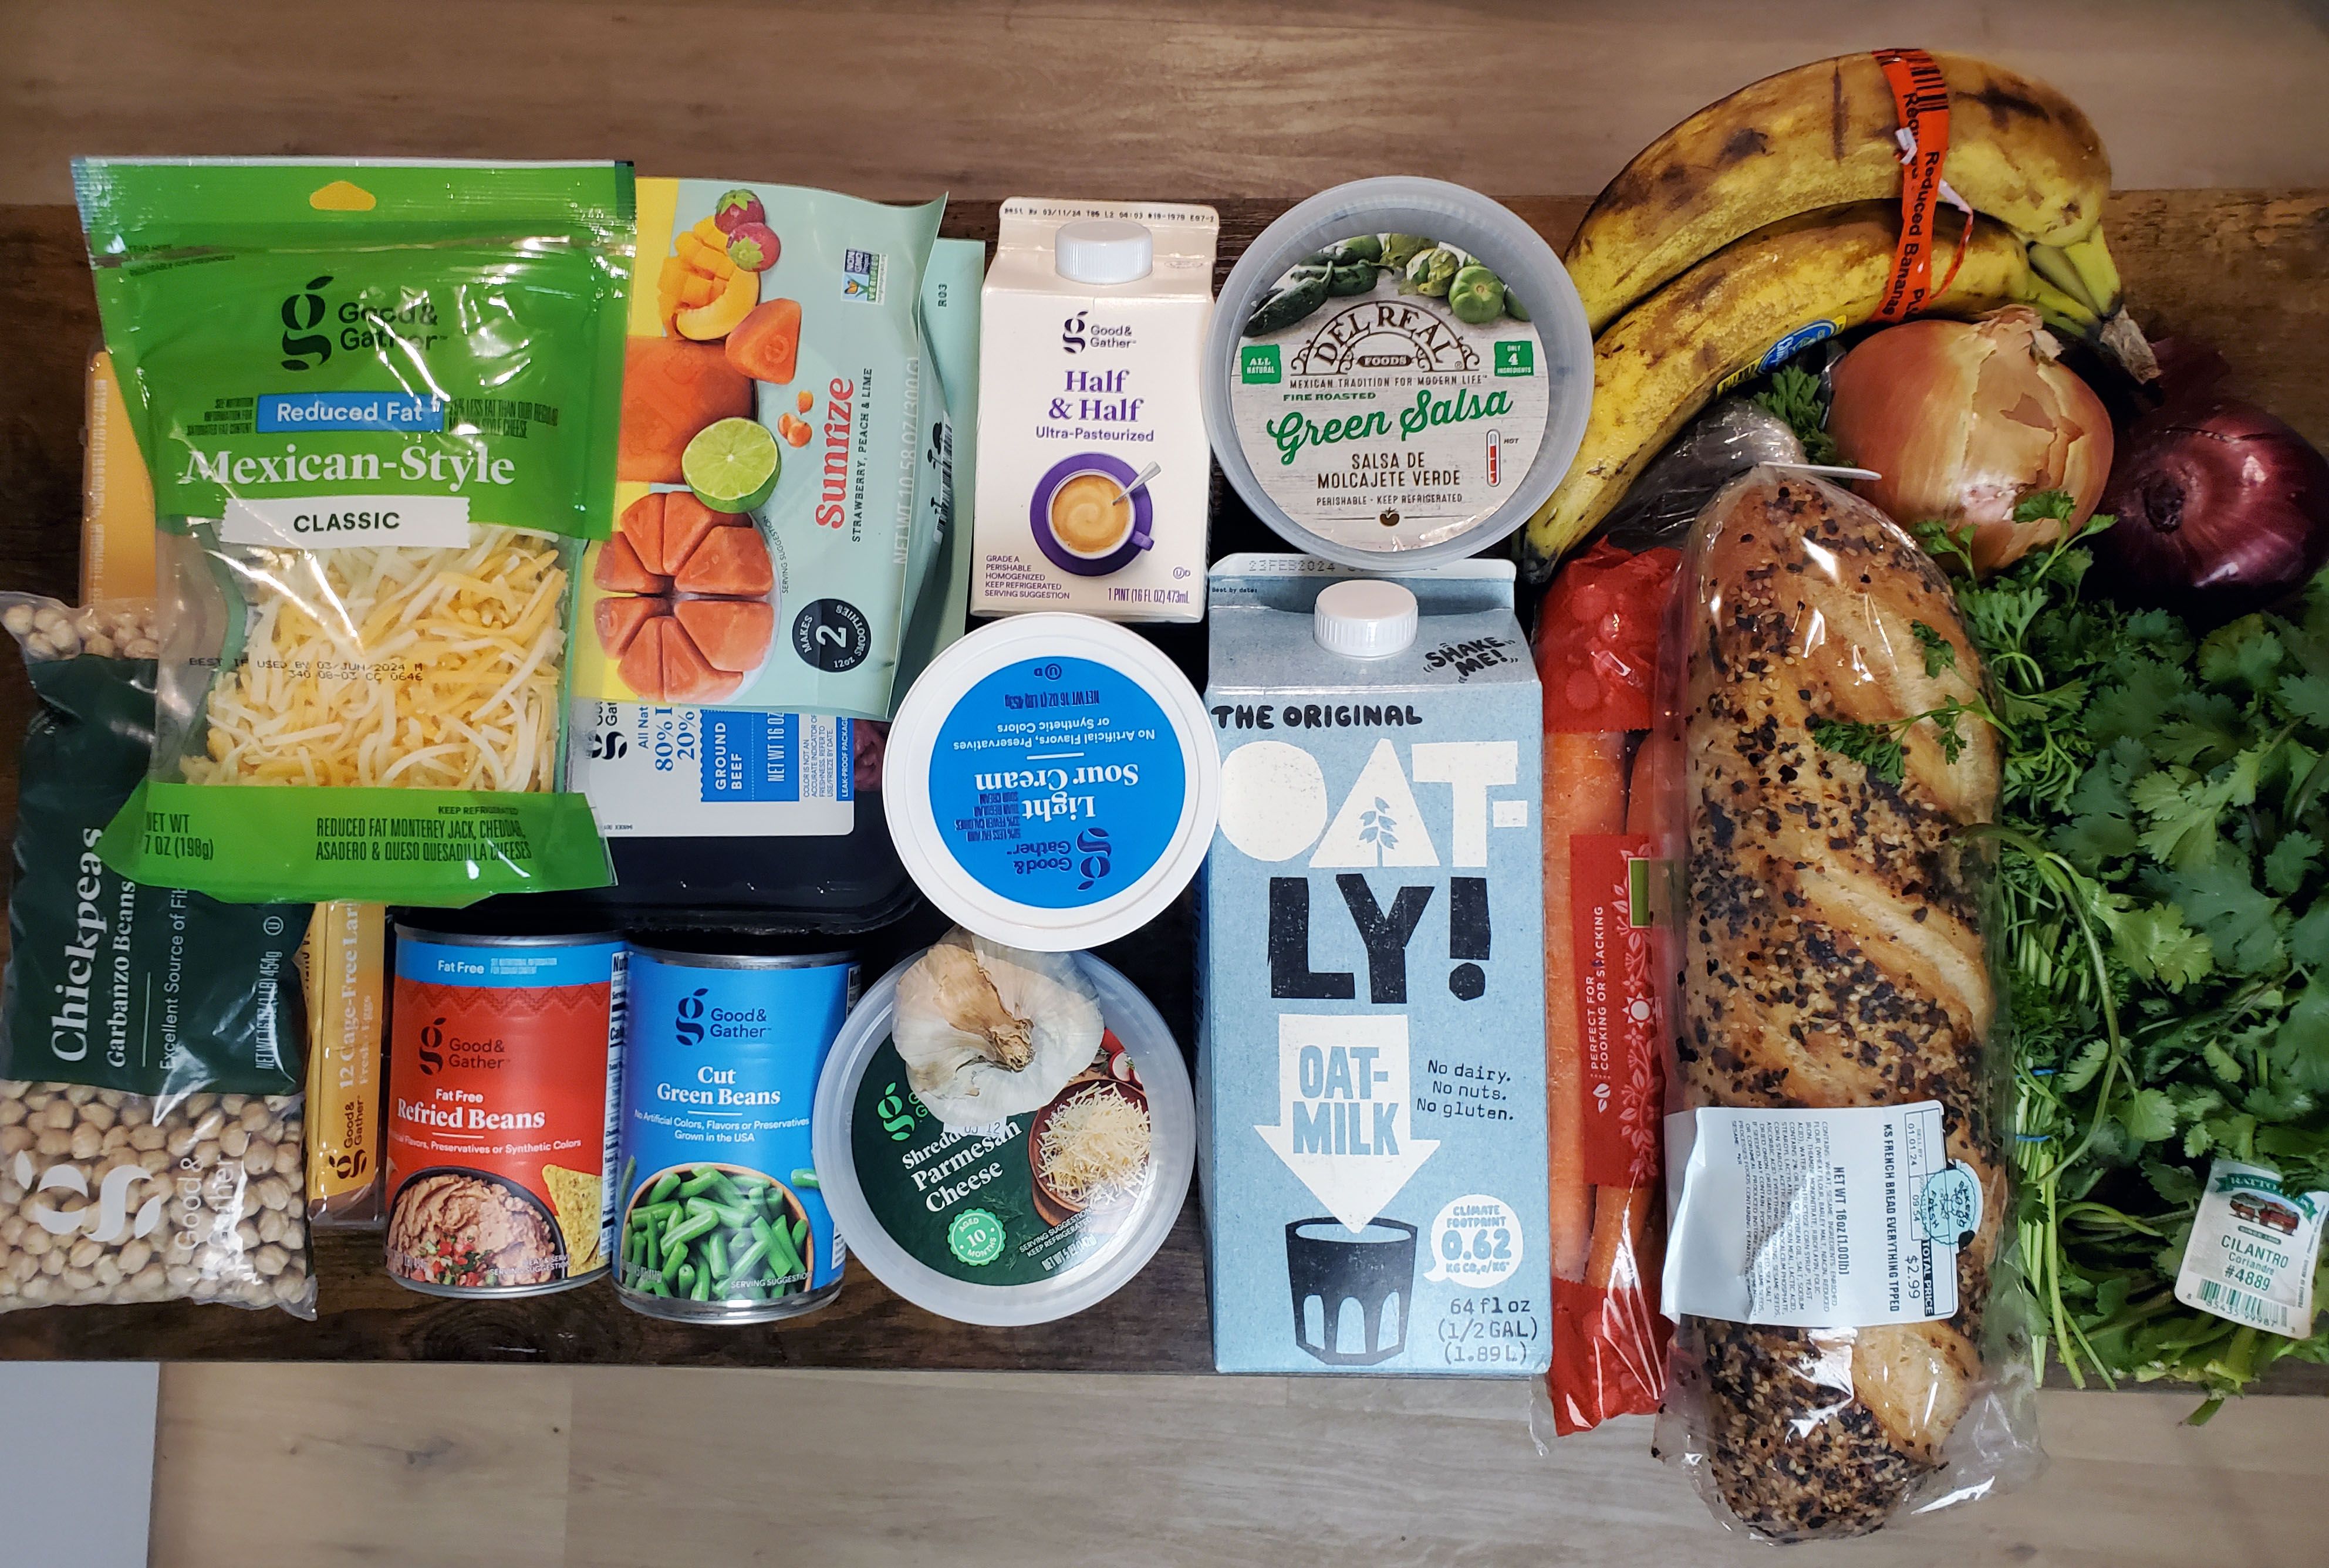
(1966, 420)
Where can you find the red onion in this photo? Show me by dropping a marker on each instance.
(2221, 508)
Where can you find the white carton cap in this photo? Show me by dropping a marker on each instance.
(1105, 250)
(1365, 618)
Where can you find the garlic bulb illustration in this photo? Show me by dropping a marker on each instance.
(987, 1031)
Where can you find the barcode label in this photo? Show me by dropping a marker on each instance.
(2255, 1241)
(2228, 1302)
(618, 1009)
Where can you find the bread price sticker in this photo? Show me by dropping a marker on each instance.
(1818, 1219)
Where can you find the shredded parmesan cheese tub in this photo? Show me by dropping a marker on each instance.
(1027, 1218)
(381, 421)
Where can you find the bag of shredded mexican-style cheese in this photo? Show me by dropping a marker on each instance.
(379, 401)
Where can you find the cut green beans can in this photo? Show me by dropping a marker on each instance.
(723, 1218)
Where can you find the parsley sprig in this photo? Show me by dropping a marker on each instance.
(1793, 395)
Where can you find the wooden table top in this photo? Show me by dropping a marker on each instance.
(2246, 271)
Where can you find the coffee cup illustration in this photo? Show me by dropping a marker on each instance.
(1332, 1268)
(1084, 521)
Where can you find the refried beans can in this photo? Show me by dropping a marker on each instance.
(722, 1219)
(505, 1059)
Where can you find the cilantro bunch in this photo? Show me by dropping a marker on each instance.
(2165, 938)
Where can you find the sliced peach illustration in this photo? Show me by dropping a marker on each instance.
(731, 306)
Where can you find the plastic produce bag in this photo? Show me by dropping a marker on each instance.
(1720, 445)
(150, 1117)
(1608, 952)
(1841, 1258)
(378, 418)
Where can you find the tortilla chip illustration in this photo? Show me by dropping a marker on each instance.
(620, 570)
(729, 560)
(672, 388)
(732, 634)
(578, 1197)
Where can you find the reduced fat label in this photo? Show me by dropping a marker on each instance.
(1383, 421)
(2255, 1243)
(1817, 1219)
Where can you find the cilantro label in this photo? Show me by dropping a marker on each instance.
(2253, 1246)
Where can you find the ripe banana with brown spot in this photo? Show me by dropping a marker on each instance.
(1823, 134)
(1667, 358)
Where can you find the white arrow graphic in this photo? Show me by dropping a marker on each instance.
(1343, 1111)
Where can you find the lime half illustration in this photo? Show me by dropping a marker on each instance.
(731, 465)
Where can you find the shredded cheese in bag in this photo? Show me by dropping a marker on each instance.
(421, 669)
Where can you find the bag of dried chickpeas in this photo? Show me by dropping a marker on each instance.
(151, 1040)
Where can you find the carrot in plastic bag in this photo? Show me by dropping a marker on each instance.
(1590, 799)
(1597, 657)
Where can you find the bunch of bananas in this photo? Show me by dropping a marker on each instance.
(1778, 210)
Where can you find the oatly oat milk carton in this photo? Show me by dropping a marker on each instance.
(1372, 975)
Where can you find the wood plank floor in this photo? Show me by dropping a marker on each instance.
(443, 1466)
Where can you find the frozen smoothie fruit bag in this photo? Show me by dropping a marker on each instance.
(781, 491)
(379, 403)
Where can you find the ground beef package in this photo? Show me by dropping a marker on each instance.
(150, 1113)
